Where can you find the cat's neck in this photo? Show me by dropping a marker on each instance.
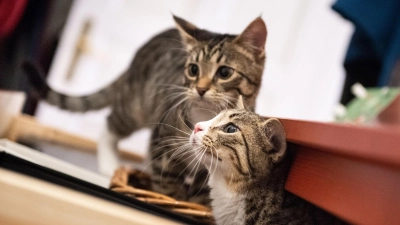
(228, 206)
(270, 197)
(255, 197)
(269, 206)
(202, 112)
(232, 197)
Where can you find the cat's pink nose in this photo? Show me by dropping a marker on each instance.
(201, 91)
(197, 128)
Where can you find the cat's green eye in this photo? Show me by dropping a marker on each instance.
(230, 128)
(193, 70)
(224, 72)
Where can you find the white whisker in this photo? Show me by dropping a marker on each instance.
(168, 125)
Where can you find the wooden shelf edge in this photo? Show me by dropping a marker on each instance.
(27, 200)
(379, 143)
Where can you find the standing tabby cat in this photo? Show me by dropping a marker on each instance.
(178, 78)
(248, 165)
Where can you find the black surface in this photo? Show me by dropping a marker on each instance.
(19, 165)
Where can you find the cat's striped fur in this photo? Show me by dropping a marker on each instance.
(179, 77)
(248, 163)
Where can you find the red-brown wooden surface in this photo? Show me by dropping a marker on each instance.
(351, 171)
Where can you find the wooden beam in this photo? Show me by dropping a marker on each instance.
(27, 128)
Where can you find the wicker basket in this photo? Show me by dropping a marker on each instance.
(137, 184)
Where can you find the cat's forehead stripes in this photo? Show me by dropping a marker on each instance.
(233, 115)
(226, 117)
(211, 51)
(201, 55)
(217, 120)
(216, 54)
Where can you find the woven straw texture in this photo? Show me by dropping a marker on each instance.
(137, 184)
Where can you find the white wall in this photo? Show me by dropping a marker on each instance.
(305, 47)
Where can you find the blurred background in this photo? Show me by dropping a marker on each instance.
(85, 44)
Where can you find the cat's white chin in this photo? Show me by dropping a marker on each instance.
(193, 141)
(194, 144)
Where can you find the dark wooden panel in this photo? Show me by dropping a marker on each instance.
(351, 171)
(355, 190)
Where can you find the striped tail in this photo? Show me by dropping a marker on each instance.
(95, 101)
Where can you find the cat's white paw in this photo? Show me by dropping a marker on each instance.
(108, 167)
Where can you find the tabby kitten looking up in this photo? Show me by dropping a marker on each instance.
(178, 78)
(247, 162)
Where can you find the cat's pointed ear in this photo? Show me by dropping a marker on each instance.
(186, 29)
(240, 103)
(254, 37)
(189, 32)
(277, 137)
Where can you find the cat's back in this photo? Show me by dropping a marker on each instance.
(163, 53)
(162, 42)
(156, 67)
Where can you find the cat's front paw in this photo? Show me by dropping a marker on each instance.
(108, 165)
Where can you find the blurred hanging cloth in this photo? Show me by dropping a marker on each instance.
(10, 14)
(29, 30)
(373, 55)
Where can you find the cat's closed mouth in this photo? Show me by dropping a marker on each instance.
(194, 144)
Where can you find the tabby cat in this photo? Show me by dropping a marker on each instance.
(248, 163)
(178, 78)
